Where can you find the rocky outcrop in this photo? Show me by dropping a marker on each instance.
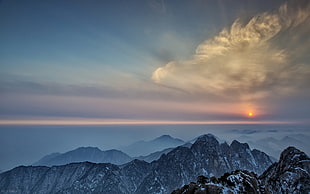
(205, 157)
(235, 182)
(289, 175)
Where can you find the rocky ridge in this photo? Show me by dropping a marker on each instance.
(205, 157)
(289, 175)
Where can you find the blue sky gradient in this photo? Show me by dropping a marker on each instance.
(105, 60)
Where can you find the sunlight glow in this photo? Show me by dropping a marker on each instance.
(129, 122)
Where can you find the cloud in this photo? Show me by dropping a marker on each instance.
(248, 60)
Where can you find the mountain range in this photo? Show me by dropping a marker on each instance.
(206, 157)
(154, 149)
(273, 146)
(83, 154)
(143, 148)
(289, 175)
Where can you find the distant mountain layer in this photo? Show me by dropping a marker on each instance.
(289, 175)
(142, 148)
(156, 155)
(83, 154)
(181, 165)
(273, 145)
(151, 150)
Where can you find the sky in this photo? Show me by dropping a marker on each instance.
(108, 73)
(154, 61)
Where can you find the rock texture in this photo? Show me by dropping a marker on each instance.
(289, 175)
(234, 182)
(205, 157)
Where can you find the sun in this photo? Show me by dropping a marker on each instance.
(250, 114)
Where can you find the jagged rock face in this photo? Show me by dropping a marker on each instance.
(224, 158)
(182, 165)
(205, 157)
(235, 182)
(290, 175)
(134, 173)
(169, 171)
(76, 178)
(72, 178)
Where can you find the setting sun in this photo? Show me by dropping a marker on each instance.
(250, 114)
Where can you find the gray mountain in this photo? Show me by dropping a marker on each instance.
(45, 161)
(83, 154)
(205, 157)
(181, 165)
(289, 175)
(235, 182)
(143, 148)
(209, 134)
(156, 155)
(273, 146)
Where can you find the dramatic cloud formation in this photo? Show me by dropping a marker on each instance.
(248, 61)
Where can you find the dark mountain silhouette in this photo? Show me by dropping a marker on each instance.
(143, 148)
(83, 154)
(289, 175)
(206, 157)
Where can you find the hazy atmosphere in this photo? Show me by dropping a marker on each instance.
(24, 145)
(109, 74)
(154, 60)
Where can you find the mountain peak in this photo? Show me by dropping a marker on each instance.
(207, 138)
(236, 145)
(81, 154)
(87, 148)
(291, 174)
(292, 154)
(167, 138)
(164, 137)
(182, 164)
(206, 143)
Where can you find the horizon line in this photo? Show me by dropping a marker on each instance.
(84, 122)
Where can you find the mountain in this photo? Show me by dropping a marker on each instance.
(83, 154)
(45, 161)
(181, 165)
(239, 181)
(273, 146)
(142, 148)
(289, 175)
(209, 134)
(156, 155)
(205, 157)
